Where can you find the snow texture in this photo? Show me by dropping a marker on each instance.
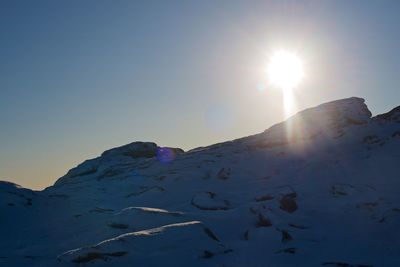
(320, 189)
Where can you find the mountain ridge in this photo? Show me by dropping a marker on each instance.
(319, 189)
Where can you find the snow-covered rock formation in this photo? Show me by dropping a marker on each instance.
(320, 189)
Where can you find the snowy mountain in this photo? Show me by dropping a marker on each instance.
(320, 189)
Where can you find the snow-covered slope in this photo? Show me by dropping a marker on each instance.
(320, 189)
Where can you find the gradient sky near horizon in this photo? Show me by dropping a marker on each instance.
(80, 77)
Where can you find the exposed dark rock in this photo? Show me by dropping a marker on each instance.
(337, 192)
(31, 257)
(393, 115)
(76, 172)
(368, 205)
(341, 189)
(264, 198)
(202, 202)
(338, 264)
(263, 221)
(349, 121)
(344, 264)
(208, 208)
(86, 168)
(58, 195)
(110, 173)
(91, 256)
(207, 175)
(291, 195)
(371, 139)
(139, 150)
(118, 225)
(145, 189)
(396, 134)
(253, 210)
(211, 234)
(269, 144)
(288, 203)
(134, 150)
(298, 226)
(287, 250)
(160, 178)
(85, 172)
(388, 214)
(223, 173)
(246, 235)
(211, 194)
(100, 210)
(207, 254)
(286, 237)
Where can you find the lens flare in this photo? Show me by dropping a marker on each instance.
(165, 154)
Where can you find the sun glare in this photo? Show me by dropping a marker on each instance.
(285, 70)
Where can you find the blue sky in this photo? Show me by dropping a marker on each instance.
(79, 77)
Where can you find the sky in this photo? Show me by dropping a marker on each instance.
(80, 77)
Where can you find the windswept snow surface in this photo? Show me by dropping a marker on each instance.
(320, 189)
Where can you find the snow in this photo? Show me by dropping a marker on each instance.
(320, 189)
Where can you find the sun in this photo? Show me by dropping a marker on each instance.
(285, 70)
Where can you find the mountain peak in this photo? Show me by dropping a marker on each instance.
(344, 111)
(326, 120)
(135, 151)
(393, 115)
